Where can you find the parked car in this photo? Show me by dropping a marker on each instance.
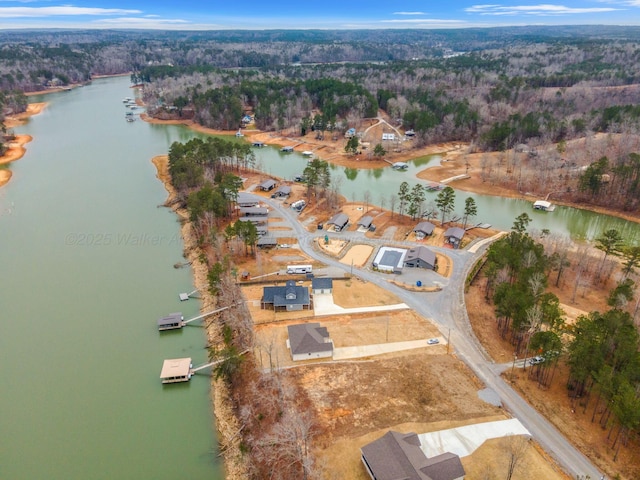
(433, 341)
(536, 360)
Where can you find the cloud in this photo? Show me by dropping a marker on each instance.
(414, 13)
(423, 20)
(540, 10)
(34, 12)
(127, 22)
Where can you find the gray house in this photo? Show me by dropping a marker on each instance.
(365, 222)
(339, 221)
(254, 220)
(309, 340)
(267, 242)
(289, 298)
(282, 191)
(398, 456)
(421, 257)
(424, 229)
(267, 185)
(323, 285)
(454, 236)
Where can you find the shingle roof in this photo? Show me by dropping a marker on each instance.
(455, 232)
(322, 282)
(398, 456)
(339, 219)
(290, 294)
(268, 184)
(366, 221)
(421, 253)
(425, 227)
(308, 338)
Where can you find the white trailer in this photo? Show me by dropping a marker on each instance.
(299, 268)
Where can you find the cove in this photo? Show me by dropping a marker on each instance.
(87, 263)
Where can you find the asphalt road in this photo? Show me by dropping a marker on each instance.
(446, 308)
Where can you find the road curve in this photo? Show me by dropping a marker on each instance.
(446, 308)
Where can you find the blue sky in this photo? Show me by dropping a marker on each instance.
(326, 14)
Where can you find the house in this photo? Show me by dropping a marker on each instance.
(423, 229)
(350, 133)
(309, 340)
(388, 136)
(289, 298)
(282, 191)
(454, 236)
(245, 200)
(365, 222)
(339, 221)
(268, 185)
(255, 220)
(254, 211)
(321, 286)
(396, 456)
(267, 242)
(421, 257)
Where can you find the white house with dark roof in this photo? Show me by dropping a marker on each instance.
(454, 236)
(322, 285)
(398, 456)
(423, 229)
(289, 297)
(308, 341)
(421, 257)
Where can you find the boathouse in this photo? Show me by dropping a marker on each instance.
(543, 205)
(175, 370)
(171, 321)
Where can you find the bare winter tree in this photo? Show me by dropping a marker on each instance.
(516, 449)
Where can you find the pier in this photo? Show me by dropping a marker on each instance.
(174, 321)
(179, 370)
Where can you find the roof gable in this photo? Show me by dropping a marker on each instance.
(309, 338)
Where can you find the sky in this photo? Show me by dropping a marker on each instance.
(305, 14)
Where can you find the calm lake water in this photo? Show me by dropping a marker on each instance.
(87, 268)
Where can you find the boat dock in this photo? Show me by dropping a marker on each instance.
(179, 370)
(174, 321)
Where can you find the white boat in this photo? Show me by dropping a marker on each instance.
(239, 134)
(307, 153)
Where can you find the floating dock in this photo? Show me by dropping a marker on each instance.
(174, 321)
(544, 205)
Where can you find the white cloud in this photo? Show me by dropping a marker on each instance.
(414, 13)
(422, 20)
(34, 12)
(541, 9)
(126, 22)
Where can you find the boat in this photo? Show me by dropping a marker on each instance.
(400, 166)
(307, 153)
(239, 134)
(130, 119)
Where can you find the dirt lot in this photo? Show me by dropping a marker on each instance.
(554, 403)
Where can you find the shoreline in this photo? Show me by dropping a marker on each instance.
(453, 163)
(16, 148)
(226, 422)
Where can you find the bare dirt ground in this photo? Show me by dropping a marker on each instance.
(553, 402)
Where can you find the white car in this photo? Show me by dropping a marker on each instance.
(536, 360)
(433, 341)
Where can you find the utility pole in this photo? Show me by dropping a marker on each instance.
(515, 357)
(448, 340)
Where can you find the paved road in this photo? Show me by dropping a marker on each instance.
(446, 308)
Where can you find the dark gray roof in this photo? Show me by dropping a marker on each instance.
(266, 241)
(366, 221)
(290, 294)
(421, 253)
(245, 199)
(308, 338)
(444, 467)
(284, 189)
(171, 319)
(398, 456)
(425, 227)
(248, 211)
(339, 219)
(455, 232)
(268, 184)
(322, 282)
(253, 219)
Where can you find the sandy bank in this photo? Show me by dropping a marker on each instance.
(20, 118)
(226, 422)
(14, 152)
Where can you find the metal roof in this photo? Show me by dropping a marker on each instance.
(366, 221)
(455, 232)
(339, 219)
(175, 367)
(421, 253)
(425, 227)
(321, 282)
